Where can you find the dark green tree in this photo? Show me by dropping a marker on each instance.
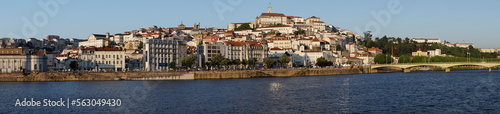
(188, 61)
(244, 62)
(73, 65)
(299, 32)
(244, 26)
(339, 48)
(322, 62)
(419, 59)
(283, 60)
(217, 59)
(236, 62)
(383, 59)
(141, 45)
(252, 62)
(404, 59)
(269, 62)
(225, 62)
(172, 65)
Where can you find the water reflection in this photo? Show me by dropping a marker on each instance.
(345, 96)
(419, 92)
(274, 86)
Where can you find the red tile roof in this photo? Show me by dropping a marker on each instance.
(276, 48)
(233, 43)
(293, 17)
(40, 53)
(374, 49)
(108, 49)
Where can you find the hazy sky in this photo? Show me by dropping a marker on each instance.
(472, 21)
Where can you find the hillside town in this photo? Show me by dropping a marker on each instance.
(261, 43)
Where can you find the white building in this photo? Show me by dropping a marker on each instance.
(158, 53)
(95, 40)
(351, 47)
(428, 40)
(271, 19)
(464, 45)
(283, 29)
(102, 59)
(433, 53)
(310, 57)
(282, 43)
(488, 50)
(245, 50)
(19, 59)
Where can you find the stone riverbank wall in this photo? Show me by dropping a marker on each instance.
(274, 73)
(94, 76)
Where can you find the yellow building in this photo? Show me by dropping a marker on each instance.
(419, 53)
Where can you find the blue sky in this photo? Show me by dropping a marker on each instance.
(452, 20)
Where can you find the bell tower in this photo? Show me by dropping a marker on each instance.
(269, 9)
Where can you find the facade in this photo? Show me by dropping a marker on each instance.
(428, 40)
(108, 59)
(351, 47)
(160, 52)
(433, 53)
(19, 59)
(310, 57)
(210, 49)
(245, 50)
(375, 51)
(488, 50)
(282, 43)
(271, 19)
(283, 29)
(95, 40)
(464, 45)
(419, 53)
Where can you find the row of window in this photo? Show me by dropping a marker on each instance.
(9, 52)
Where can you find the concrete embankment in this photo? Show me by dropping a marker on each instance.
(94, 76)
(275, 73)
(87, 76)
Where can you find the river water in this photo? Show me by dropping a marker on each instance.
(416, 92)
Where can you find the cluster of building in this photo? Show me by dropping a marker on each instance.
(271, 35)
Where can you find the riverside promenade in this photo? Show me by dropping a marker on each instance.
(198, 75)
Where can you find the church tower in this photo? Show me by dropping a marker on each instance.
(269, 9)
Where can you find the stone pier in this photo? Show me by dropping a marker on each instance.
(406, 70)
(447, 70)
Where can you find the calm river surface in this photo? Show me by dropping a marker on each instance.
(416, 92)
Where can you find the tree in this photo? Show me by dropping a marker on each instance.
(244, 26)
(172, 65)
(404, 59)
(188, 61)
(217, 59)
(73, 65)
(383, 59)
(419, 59)
(322, 62)
(339, 48)
(236, 62)
(141, 45)
(244, 62)
(252, 62)
(283, 60)
(299, 32)
(269, 62)
(225, 62)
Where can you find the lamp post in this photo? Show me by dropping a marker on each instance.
(468, 55)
